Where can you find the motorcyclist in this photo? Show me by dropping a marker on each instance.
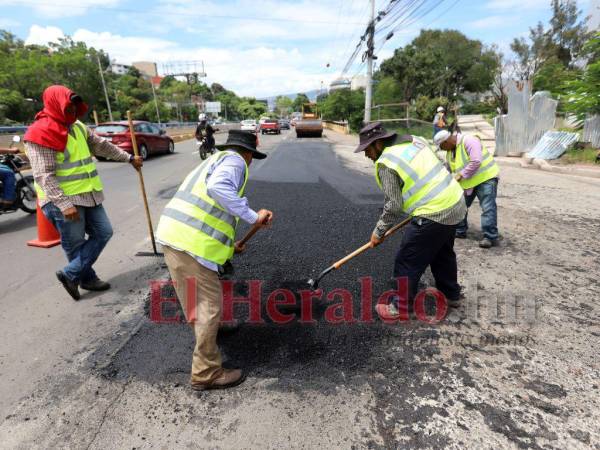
(204, 131)
(9, 181)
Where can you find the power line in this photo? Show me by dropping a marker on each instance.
(171, 13)
(352, 38)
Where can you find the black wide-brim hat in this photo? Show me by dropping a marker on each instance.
(371, 133)
(244, 140)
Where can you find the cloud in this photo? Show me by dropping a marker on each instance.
(43, 35)
(61, 8)
(258, 71)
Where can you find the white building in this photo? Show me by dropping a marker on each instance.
(339, 83)
(358, 82)
(119, 69)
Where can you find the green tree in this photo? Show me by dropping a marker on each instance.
(249, 108)
(562, 41)
(441, 62)
(552, 76)
(583, 93)
(345, 104)
(283, 105)
(299, 101)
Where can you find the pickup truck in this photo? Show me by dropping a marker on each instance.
(270, 126)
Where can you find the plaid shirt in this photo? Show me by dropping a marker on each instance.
(43, 165)
(391, 185)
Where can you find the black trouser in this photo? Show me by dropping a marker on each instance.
(427, 243)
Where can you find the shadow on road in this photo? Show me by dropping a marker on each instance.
(17, 221)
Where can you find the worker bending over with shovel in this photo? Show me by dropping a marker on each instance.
(197, 231)
(417, 184)
(477, 173)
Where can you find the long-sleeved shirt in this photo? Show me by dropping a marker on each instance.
(393, 211)
(43, 165)
(475, 151)
(224, 179)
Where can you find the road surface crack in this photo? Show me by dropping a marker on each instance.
(112, 405)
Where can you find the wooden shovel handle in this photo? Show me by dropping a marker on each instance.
(250, 233)
(367, 246)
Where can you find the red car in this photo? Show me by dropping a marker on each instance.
(270, 126)
(150, 139)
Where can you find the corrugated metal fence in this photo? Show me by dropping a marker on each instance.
(528, 118)
(591, 131)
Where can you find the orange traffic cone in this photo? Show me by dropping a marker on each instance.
(48, 236)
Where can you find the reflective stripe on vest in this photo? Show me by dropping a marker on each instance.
(197, 224)
(428, 187)
(488, 168)
(75, 169)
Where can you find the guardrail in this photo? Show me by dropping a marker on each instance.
(20, 129)
(338, 126)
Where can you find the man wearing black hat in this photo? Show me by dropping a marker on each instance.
(197, 231)
(415, 183)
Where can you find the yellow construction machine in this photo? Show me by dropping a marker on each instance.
(310, 124)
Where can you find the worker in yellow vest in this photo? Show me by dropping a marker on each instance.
(415, 183)
(197, 232)
(69, 189)
(477, 173)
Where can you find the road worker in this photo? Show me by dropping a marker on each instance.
(197, 231)
(477, 173)
(69, 189)
(415, 183)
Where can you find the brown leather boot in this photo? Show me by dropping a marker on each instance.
(228, 378)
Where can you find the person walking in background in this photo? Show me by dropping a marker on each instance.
(68, 186)
(439, 121)
(477, 173)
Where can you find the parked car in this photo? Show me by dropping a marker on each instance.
(270, 126)
(284, 124)
(248, 125)
(150, 139)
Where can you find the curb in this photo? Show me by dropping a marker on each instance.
(542, 164)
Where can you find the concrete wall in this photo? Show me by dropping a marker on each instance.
(340, 127)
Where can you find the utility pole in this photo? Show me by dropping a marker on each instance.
(155, 102)
(110, 116)
(370, 51)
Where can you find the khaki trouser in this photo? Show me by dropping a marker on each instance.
(206, 361)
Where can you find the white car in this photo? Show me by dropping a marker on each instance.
(248, 125)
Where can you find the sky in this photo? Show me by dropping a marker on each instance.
(258, 47)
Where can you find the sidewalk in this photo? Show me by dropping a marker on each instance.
(344, 146)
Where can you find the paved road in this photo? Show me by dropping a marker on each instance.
(99, 374)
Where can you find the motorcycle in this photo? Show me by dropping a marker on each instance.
(204, 149)
(26, 196)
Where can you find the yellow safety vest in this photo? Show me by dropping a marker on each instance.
(458, 160)
(195, 223)
(428, 187)
(75, 168)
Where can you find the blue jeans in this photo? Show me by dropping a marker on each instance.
(81, 253)
(9, 183)
(486, 193)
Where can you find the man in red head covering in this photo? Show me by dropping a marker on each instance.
(69, 188)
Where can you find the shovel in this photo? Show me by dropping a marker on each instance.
(314, 283)
(227, 267)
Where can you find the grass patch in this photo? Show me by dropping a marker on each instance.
(417, 130)
(585, 155)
